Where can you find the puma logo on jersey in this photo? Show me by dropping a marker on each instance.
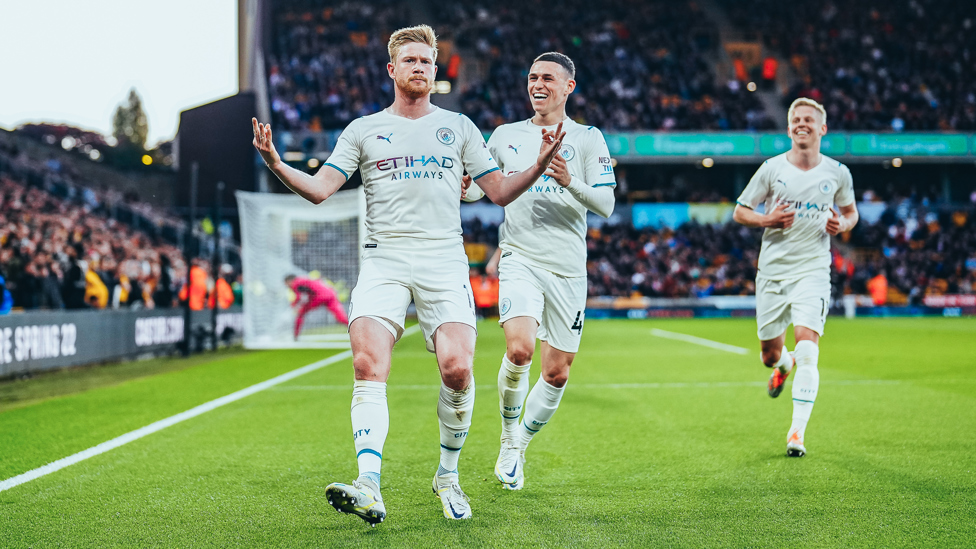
(387, 138)
(781, 181)
(514, 148)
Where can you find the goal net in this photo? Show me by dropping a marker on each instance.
(284, 235)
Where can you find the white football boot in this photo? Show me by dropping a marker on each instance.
(509, 467)
(453, 499)
(794, 445)
(362, 499)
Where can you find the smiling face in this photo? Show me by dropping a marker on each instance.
(414, 70)
(549, 87)
(806, 127)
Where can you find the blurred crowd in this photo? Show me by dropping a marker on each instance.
(58, 249)
(328, 61)
(900, 65)
(914, 250)
(640, 65)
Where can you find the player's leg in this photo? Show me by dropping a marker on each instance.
(300, 317)
(372, 347)
(445, 308)
(513, 375)
(521, 302)
(547, 392)
(380, 304)
(560, 331)
(772, 317)
(335, 307)
(810, 303)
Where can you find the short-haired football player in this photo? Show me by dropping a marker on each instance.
(541, 257)
(799, 189)
(411, 156)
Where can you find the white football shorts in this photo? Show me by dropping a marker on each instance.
(435, 276)
(802, 301)
(557, 303)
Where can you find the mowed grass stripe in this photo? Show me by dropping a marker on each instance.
(616, 467)
(35, 435)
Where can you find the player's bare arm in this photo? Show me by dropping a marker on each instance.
(503, 190)
(781, 217)
(844, 221)
(315, 188)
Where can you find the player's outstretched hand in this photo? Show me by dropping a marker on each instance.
(780, 218)
(263, 143)
(552, 141)
(559, 170)
(833, 223)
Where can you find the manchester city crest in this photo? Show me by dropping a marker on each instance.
(445, 136)
(506, 305)
(567, 152)
(826, 187)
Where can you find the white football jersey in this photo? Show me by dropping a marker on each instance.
(411, 172)
(546, 224)
(804, 248)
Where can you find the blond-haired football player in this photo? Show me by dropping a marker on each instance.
(541, 257)
(411, 156)
(799, 189)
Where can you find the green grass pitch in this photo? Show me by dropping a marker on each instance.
(657, 443)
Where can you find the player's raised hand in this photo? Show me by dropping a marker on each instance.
(559, 170)
(780, 218)
(833, 223)
(264, 144)
(551, 143)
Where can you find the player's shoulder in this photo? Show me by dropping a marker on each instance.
(775, 162)
(835, 165)
(510, 129)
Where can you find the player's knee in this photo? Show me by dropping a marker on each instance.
(771, 356)
(366, 367)
(556, 379)
(520, 353)
(456, 377)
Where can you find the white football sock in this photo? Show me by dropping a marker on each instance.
(806, 383)
(454, 411)
(539, 409)
(513, 385)
(785, 362)
(370, 425)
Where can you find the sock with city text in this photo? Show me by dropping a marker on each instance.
(370, 425)
(454, 410)
(539, 409)
(806, 383)
(513, 386)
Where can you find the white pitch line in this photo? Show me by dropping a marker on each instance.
(173, 420)
(699, 341)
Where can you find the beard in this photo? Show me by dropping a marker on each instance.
(413, 90)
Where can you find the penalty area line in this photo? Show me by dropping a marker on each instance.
(55, 466)
(699, 341)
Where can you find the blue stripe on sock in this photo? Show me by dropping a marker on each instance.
(451, 449)
(801, 400)
(529, 428)
(506, 417)
(369, 451)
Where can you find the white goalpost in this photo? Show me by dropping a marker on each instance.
(282, 235)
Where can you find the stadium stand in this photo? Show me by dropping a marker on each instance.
(905, 65)
(640, 65)
(328, 63)
(60, 248)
